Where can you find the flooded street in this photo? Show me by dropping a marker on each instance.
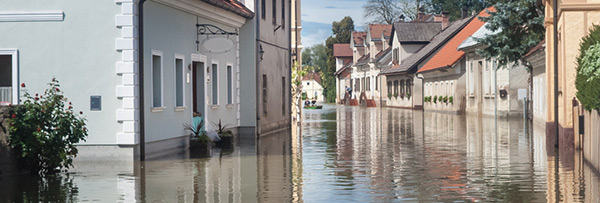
(345, 154)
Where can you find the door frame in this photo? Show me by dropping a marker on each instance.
(198, 58)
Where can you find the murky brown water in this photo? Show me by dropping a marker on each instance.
(345, 154)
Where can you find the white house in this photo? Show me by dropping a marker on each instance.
(190, 53)
(312, 87)
(489, 88)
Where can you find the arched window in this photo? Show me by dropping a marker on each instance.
(401, 88)
(395, 87)
(408, 88)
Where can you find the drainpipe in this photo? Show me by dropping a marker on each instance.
(257, 51)
(555, 44)
(142, 135)
(289, 75)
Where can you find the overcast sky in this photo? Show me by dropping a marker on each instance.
(317, 16)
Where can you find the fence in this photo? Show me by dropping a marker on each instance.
(5, 95)
(591, 138)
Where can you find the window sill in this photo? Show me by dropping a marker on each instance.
(157, 109)
(472, 96)
(214, 106)
(489, 96)
(180, 108)
(230, 106)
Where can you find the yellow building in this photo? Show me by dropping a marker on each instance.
(575, 18)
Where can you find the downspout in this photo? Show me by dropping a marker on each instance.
(299, 68)
(422, 92)
(257, 58)
(555, 44)
(289, 75)
(142, 135)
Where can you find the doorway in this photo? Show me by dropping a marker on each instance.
(198, 88)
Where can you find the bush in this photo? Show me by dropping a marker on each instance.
(588, 70)
(435, 99)
(445, 99)
(389, 95)
(396, 95)
(304, 96)
(44, 130)
(451, 99)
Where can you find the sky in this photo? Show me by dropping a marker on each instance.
(317, 16)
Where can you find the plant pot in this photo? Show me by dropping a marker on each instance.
(200, 148)
(226, 141)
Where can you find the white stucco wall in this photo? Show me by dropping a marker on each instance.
(79, 51)
(312, 89)
(164, 24)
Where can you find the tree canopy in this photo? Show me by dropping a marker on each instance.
(342, 32)
(521, 26)
(455, 7)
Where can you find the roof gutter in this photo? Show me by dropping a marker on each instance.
(142, 135)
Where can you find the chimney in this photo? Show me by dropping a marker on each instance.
(420, 15)
(445, 19)
(463, 13)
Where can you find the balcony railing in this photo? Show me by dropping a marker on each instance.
(5, 95)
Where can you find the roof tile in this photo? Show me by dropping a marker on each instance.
(342, 50)
(449, 54)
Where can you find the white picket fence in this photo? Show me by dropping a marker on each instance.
(5, 95)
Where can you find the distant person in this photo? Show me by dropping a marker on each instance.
(349, 89)
(306, 103)
(314, 101)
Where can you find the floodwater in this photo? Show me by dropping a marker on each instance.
(344, 154)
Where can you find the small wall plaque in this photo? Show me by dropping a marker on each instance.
(95, 103)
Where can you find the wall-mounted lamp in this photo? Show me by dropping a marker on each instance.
(262, 52)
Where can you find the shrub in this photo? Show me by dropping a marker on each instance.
(445, 99)
(389, 95)
(435, 99)
(44, 130)
(396, 95)
(304, 96)
(588, 70)
(451, 99)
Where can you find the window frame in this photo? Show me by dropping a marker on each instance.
(214, 93)
(274, 10)
(230, 84)
(182, 58)
(14, 53)
(159, 53)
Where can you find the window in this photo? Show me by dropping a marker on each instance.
(376, 83)
(368, 84)
(9, 87)
(263, 4)
(485, 78)
(229, 85)
(157, 80)
(401, 88)
(396, 87)
(283, 14)
(179, 80)
(308, 83)
(264, 93)
(471, 80)
(408, 88)
(283, 96)
(215, 84)
(395, 55)
(389, 87)
(274, 2)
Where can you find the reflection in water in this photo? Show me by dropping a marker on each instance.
(403, 155)
(343, 154)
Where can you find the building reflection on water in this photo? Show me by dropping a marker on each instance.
(343, 154)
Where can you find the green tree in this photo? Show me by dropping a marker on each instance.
(342, 32)
(588, 70)
(520, 26)
(455, 7)
(307, 56)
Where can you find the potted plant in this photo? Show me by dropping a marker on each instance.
(200, 143)
(226, 135)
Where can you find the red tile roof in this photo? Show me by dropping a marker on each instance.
(540, 46)
(342, 50)
(449, 55)
(378, 29)
(233, 6)
(359, 37)
(312, 76)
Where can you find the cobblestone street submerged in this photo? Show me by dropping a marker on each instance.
(344, 154)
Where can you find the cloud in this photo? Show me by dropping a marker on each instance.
(314, 33)
(330, 7)
(332, 10)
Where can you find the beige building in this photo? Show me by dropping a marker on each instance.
(490, 88)
(575, 18)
